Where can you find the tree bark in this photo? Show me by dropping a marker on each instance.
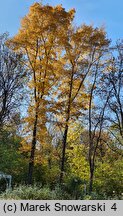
(31, 162)
(64, 142)
(63, 153)
(91, 179)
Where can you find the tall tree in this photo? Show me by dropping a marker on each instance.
(38, 38)
(97, 98)
(115, 104)
(83, 48)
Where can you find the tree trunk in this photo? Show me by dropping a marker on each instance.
(91, 178)
(63, 153)
(31, 162)
(64, 142)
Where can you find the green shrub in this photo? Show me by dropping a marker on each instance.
(75, 187)
(38, 192)
(35, 193)
(29, 193)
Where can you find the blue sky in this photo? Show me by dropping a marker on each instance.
(108, 13)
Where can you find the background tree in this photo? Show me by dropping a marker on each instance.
(115, 103)
(12, 79)
(96, 63)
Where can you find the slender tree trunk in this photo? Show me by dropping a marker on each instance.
(91, 164)
(91, 137)
(31, 162)
(64, 142)
(91, 179)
